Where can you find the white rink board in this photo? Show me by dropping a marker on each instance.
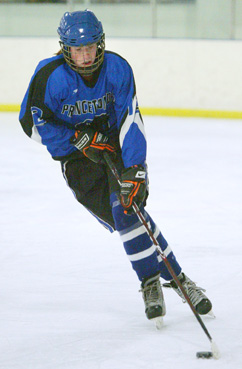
(187, 74)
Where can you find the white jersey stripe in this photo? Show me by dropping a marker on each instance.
(35, 135)
(126, 125)
(131, 118)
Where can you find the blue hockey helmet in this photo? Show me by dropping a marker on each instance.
(81, 28)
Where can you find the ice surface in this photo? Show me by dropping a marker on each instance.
(68, 296)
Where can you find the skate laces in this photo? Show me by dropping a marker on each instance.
(152, 293)
(194, 292)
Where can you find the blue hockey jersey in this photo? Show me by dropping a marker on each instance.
(59, 101)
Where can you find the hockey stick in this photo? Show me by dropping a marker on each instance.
(215, 351)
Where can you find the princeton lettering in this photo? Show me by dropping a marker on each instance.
(87, 106)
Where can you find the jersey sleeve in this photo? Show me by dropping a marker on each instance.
(131, 127)
(37, 113)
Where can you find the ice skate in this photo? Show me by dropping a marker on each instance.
(199, 300)
(152, 293)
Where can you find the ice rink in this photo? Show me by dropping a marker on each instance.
(69, 298)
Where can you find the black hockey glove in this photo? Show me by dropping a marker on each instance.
(92, 144)
(133, 187)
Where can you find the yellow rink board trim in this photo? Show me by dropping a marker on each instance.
(169, 112)
(12, 108)
(172, 112)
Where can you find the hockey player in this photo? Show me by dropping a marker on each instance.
(81, 103)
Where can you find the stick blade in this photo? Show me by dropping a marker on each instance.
(209, 354)
(215, 350)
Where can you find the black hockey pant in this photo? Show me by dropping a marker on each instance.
(95, 187)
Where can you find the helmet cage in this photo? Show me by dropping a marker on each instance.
(85, 71)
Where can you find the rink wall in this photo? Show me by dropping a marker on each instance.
(173, 77)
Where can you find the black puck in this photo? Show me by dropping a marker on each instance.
(204, 354)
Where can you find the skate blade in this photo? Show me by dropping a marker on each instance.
(158, 322)
(211, 314)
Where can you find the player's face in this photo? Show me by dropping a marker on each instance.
(84, 56)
